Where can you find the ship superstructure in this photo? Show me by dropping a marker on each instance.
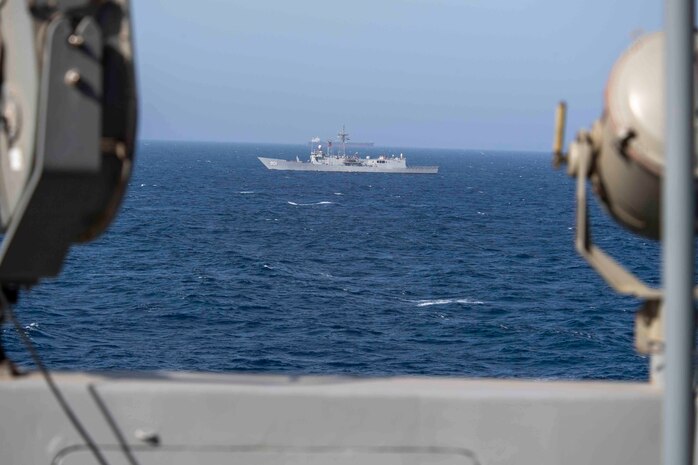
(322, 159)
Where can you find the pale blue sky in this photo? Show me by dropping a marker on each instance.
(466, 74)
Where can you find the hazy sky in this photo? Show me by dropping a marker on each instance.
(480, 74)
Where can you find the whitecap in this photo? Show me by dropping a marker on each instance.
(465, 301)
(246, 192)
(324, 202)
(338, 193)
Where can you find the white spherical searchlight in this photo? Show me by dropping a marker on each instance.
(623, 157)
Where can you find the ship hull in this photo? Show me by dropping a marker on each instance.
(286, 165)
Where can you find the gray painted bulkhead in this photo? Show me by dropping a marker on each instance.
(207, 419)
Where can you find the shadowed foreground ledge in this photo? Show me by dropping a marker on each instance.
(186, 418)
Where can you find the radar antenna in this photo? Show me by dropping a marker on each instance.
(343, 137)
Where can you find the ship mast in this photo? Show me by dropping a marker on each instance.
(343, 137)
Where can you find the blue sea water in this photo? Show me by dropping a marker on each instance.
(217, 264)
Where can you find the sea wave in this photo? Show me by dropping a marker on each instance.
(324, 202)
(372, 285)
(462, 301)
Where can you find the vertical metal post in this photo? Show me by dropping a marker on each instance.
(677, 235)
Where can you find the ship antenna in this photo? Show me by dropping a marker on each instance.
(343, 137)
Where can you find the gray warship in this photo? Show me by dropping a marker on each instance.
(65, 160)
(322, 159)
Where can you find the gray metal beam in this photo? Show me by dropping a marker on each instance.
(677, 234)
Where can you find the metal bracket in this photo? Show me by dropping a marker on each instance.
(610, 270)
(7, 368)
(649, 328)
(649, 334)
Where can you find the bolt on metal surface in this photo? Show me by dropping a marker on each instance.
(76, 40)
(72, 77)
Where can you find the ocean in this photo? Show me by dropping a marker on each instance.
(217, 264)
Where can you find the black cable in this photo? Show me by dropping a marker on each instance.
(49, 381)
(113, 425)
